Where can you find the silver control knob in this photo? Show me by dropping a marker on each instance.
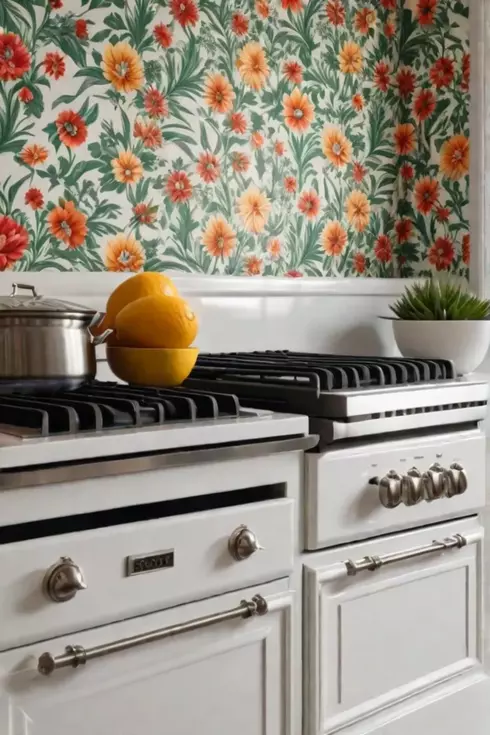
(457, 480)
(435, 483)
(63, 580)
(412, 487)
(390, 489)
(243, 543)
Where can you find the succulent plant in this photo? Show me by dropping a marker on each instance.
(440, 300)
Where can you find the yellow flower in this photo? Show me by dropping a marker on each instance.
(124, 253)
(122, 67)
(336, 147)
(127, 168)
(350, 58)
(254, 208)
(252, 65)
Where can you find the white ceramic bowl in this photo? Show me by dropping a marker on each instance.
(464, 342)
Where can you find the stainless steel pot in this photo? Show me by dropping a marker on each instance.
(45, 343)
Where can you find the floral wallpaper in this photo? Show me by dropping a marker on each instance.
(274, 137)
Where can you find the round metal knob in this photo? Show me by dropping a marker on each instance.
(412, 487)
(63, 580)
(435, 483)
(390, 489)
(458, 480)
(243, 543)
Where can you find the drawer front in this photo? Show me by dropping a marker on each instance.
(375, 639)
(202, 566)
(343, 505)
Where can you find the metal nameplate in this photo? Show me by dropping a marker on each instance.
(143, 563)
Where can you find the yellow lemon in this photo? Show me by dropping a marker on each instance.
(157, 321)
(136, 287)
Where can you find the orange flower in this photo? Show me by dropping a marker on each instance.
(404, 137)
(68, 224)
(14, 240)
(293, 71)
(218, 238)
(149, 133)
(155, 103)
(54, 65)
(254, 208)
(426, 194)
(424, 104)
(124, 254)
(262, 8)
(382, 76)
(365, 19)
(239, 24)
(383, 249)
(455, 157)
(334, 238)
(403, 230)
(296, 6)
(252, 65)
(358, 210)
(405, 80)
(274, 248)
(290, 184)
(279, 148)
(144, 213)
(208, 168)
(34, 199)
(34, 155)
(238, 122)
(336, 147)
(179, 187)
(465, 82)
(122, 67)
(218, 93)
(350, 58)
(358, 102)
(359, 263)
(466, 249)
(239, 162)
(298, 111)
(425, 11)
(442, 72)
(335, 12)
(309, 204)
(15, 59)
(257, 140)
(185, 12)
(254, 265)
(72, 129)
(441, 253)
(127, 168)
(163, 35)
(358, 172)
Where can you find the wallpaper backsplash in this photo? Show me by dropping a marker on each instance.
(274, 137)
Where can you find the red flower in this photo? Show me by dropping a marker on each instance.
(34, 199)
(185, 12)
(290, 184)
(293, 274)
(240, 162)
(442, 72)
(162, 35)
(424, 104)
(426, 194)
(309, 204)
(383, 249)
(404, 137)
(382, 76)
(15, 59)
(14, 240)
(295, 6)
(365, 19)
(72, 129)
(335, 12)
(279, 148)
(442, 214)
(238, 122)
(293, 71)
(208, 168)
(54, 65)
(239, 24)
(67, 224)
(466, 249)
(155, 103)
(407, 172)
(81, 28)
(403, 230)
(358, 172)
(358, 102)
(389, 29)
(56, 4)
(25, 95)
(388, 4)
(359, 262)
(405, 80)
(441, 253)
(257, 139)
(150, 134)
(425, 11)
(146, 214)
(465, 82)
(178, 188)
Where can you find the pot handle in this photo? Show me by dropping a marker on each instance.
(17, 286)
(97, 339)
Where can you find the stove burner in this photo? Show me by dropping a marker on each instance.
(101, 406)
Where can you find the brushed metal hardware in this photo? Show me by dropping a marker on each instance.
(412, 487)
(457, 480)
(371, 563)
(144, 563)
(390, 489)
(243, 543)
(27, 287)
(63, 580)
(75, 656)
(435, 486)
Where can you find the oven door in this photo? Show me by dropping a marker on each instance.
(218, 674)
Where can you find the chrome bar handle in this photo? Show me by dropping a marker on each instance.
(372, 563)
(75, 656)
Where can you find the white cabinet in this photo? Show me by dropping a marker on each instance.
(232, 678)
(385, 646)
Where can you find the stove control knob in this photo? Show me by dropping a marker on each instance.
(458, 480)
(63, 580)
(412, 487)
(243, 543)
(390, 489)
(435, 483)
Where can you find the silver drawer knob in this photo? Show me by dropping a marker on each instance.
(63, 580)
(243, 543)
(390, 489)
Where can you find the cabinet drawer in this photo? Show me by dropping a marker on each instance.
(202, 566)
(376, 639)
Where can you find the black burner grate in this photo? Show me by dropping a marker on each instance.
(101, 406)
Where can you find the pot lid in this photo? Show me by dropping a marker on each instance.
(34, 304)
